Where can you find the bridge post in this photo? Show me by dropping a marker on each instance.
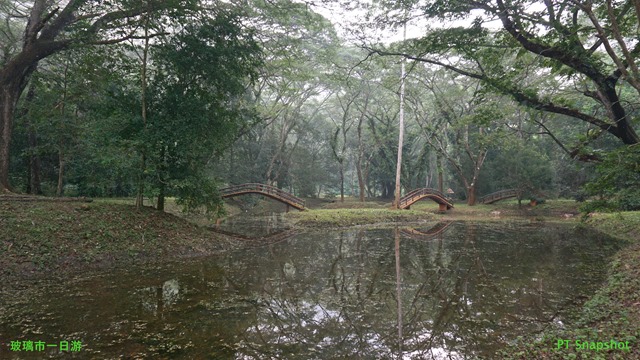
(442, 207)
(287, 208)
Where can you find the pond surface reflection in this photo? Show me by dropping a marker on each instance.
(446, 291)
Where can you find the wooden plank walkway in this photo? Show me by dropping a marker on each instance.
(266, 190)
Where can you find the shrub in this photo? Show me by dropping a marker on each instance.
(618, 182)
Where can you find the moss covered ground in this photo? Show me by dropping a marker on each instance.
(43, 237)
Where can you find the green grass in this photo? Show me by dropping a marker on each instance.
(41, 236)
(351, 217)
(352, 212)
(198, 217)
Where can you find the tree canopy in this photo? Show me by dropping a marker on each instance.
(159, 99)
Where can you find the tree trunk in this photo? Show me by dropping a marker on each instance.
(143, 113)
(33, 185)
(471, 195)
(161, 182)
(397, 194)
(440, 173)
(141, 180)
(160, 206)
(341, 183)
(61, 162)
(9, 98)
(34, 163)
(360, 182)
(14, 76)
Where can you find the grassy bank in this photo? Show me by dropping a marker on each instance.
(336, 218)
(352, 212)
(39, 237)
(613, 313)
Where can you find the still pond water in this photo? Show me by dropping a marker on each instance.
(440, 291)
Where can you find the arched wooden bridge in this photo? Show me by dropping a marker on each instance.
(433, 232)
(499, 195)
(266, 190)
(419, 194)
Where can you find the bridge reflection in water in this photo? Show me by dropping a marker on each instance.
(436, 230)
(256, 241)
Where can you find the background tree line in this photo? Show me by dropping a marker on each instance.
(176, 98)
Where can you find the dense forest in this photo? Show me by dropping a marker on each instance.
(154, 99)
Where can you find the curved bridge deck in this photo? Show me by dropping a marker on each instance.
(266, 190)
(419, 194)
(499, 195)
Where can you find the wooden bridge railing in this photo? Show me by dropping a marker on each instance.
(419, 194)
(268, 190)
(499, 195)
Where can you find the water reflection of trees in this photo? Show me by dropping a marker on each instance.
(356, 295)
(336, 296)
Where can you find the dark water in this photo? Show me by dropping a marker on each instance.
(358, 294)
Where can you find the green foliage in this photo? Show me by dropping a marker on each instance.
(629, 199)
(618, 181)
(521, 165)
(198, 102)
(463, 40)
(537, 200)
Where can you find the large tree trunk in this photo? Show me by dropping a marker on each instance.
(14, 76)
(471, 195)
(10, 93)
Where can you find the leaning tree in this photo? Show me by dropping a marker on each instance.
(589, 48)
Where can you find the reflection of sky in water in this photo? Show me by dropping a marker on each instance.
(168, 294)
(320, 317)
(465, 293)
